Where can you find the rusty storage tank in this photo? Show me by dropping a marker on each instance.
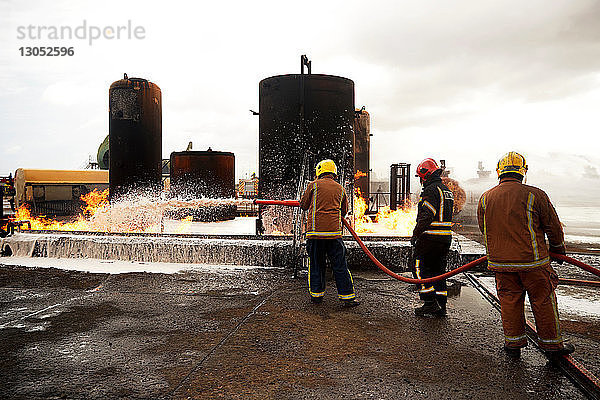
(300, 113)
(135, 136)
(362, 149)
(196, 174)
(200, 174)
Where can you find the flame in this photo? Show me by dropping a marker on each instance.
(400, 222)
(99, 216)
(94, 200)
(460, 197)
(359, 174)
(185, 225)
(134, 215)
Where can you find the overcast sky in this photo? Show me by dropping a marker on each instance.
(459, 80)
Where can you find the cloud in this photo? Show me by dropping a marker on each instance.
(462, 80)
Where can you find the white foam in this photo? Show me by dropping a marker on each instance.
(120, 267)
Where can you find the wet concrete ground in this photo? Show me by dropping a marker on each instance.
(252, 334)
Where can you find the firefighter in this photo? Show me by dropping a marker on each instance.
(327, 204)
(514, 219)
(431, 238)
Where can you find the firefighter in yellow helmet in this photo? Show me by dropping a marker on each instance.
(327, 204)
(515, 220)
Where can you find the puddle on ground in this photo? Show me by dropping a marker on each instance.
(470, 298)
(573, 301)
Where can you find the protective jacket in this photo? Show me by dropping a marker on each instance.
(327, 204)
(514, 218)
(434, 216)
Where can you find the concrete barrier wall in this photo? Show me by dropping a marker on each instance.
(396, 254)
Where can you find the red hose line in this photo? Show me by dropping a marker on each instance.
(575, 262)
(402, 278)
(554, 256)
(290, 203)
(578, 282)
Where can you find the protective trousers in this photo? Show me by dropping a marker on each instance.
(539, 284)
(430, 259)
(335, 250)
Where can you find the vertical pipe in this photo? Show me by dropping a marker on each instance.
(1, 202)
(393, 187)
(408, 182)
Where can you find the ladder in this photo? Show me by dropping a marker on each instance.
(298, 257)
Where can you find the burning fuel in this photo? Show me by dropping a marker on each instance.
(144, 214)
(359, 174)
(460, 196)
(400, 222)
(135, 214)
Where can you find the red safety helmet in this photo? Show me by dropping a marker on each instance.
(427, 167)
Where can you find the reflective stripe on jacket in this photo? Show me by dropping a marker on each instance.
(434, 215)
(327, 204)
(514, 218)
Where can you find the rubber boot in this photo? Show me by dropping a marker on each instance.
(442, 301)
(514, 352)
(431, 307)
(350, 303)
(568, 348)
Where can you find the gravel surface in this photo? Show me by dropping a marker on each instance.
(251, 334)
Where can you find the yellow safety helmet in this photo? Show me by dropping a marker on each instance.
(512, 162)
(326, 166)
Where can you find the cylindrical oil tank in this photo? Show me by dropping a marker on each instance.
(201, 174)
(135, 136)
(300, 113)
(362, 148)
(196, 174)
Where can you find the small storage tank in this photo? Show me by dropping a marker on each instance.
(362, 149)
(302, 113)
(196, 174)
(200, 174)
(135, 136)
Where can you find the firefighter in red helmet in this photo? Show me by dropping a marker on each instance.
(432, 237)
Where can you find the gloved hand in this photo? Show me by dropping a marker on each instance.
(558, 250)
(559, 262)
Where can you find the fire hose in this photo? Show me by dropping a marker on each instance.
(573, 369)
(463, 268)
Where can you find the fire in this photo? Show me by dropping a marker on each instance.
(137, 214)
(359, 174)
(400, 222)
(94, 200)
(185, 225)
(98, 215)
(460, 197)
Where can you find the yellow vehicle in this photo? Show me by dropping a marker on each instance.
(56, 192)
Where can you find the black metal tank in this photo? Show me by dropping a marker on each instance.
(135, 136)
(196, 174)
(362, 149)
(300, 113)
